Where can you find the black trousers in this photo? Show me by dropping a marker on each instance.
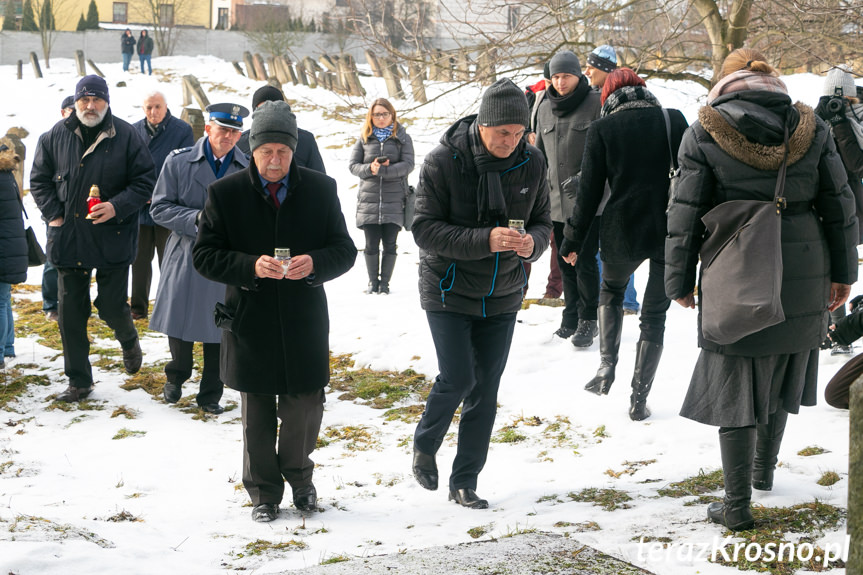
(375, 234)
(74, 311)
(471, 354)
(581, 281)
(179, 369)
(150, 239)
(615, 277)
(265, 466)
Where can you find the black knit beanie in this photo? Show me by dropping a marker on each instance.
(503, 103)
(564, 63)
(268, 93)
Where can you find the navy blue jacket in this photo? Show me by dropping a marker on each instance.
(172, 134)
(13, 245)
(63, 171)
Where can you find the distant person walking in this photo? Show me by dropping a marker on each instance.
(127, 47)
(382, 159)
(145, 51)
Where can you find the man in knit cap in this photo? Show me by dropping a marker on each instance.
(275, 324)
(600, 63)
(565, 114)
(481, 211)
(92, 148)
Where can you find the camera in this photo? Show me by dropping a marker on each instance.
(382, 159)
(835, 104)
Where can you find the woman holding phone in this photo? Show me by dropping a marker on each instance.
(382, 158)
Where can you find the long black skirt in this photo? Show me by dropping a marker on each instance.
(739, 391)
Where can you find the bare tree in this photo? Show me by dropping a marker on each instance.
(671, 39)
(164, 17)
(47, 12)
(271, 28)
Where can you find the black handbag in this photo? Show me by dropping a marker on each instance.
(35, 254)
(741, 266)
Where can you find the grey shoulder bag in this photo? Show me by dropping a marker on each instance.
(741, 266)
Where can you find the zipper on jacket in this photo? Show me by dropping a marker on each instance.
(380, 190)
(443, 290)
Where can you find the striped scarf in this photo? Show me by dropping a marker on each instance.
(747, 80)
(627, 98)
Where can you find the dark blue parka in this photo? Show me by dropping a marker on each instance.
(63, 171)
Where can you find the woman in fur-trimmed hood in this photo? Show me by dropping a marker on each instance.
(13, 246)
(734, 152)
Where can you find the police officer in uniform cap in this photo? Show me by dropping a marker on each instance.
(185, 301)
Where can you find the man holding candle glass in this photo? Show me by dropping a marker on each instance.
(482, 210)
(92, 148)
(185, 300)
(275, 338)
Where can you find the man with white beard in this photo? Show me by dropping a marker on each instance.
(92, 150)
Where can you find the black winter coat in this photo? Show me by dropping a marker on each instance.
(13, 245)
(63, 171)
(278, 342)
(458, 272)
(630, 150)
(852, 157)
(127, 44)
(718, 163)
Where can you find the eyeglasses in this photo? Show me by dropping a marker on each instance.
(381, 115)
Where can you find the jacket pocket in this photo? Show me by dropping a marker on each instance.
(61, 184)
(117, 241)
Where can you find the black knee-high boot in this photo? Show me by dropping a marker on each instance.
(610, 319)
(373, 267)
(767, 443)
(737, 446)
(388, 264)
(647, 356)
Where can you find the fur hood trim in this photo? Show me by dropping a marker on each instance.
(757, 155)
(8, 158)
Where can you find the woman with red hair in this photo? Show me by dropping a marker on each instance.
(624, 177)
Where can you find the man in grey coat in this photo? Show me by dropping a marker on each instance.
(562, 121)
(186, 300)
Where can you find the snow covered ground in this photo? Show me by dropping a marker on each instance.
(66, 485)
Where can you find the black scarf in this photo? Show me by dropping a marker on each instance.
(490, 203)
(563, 105)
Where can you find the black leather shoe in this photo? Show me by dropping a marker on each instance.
(467, 498)
(132, 358)
(213, 408)
(172, 392)
(425, 470)
(306, 498)
(265, 512)
(72, 394)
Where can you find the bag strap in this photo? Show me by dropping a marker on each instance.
(3, 148)
(672, 168)
(778, 198)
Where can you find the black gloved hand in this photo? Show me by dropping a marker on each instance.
(854, 304)
(831, 109)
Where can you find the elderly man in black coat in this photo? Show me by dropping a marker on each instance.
(275, 339)
(92, 148)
